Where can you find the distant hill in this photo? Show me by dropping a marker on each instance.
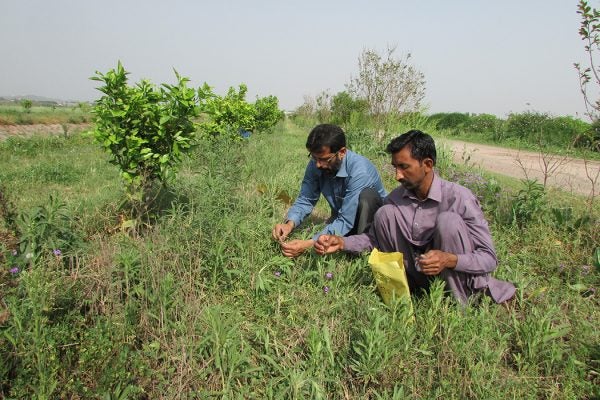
(41, 100)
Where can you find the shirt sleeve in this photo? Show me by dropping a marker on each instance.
(483, 258)
(359, 243)
(346, 216)
(308, 197)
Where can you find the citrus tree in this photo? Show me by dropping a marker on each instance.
(145, 129)
(267, 112)
(225, 115)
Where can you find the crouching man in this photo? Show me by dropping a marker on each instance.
(437, 225)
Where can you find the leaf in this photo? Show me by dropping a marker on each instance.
(129, 223)
(284, 197)
(578, 287)
(261, 188)
(596, 259)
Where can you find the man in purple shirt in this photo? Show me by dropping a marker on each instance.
(349, 182)
(437, 225)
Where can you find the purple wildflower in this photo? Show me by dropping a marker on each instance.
(57, 252)
(329, 275)
(14, 270)
(277, 274)
(325, 289)
(586, 269)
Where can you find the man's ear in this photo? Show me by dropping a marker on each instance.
(428, 163)
(342, 152)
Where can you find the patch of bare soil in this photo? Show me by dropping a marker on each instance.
(570, 174)
(7, 131)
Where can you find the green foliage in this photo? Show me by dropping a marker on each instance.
(145, 129)
(227, 114)
(348, 111)
(268, 113)
(43, 114)
(26, 104)
(485, 124)
(231, 114)
(205, 306)
(451, 121)
(529, 203)
(44, 230)
(529, 128)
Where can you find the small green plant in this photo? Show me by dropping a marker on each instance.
(26, 104)
(146, 130)
(529, 203)
(371, 351)
(47, 229)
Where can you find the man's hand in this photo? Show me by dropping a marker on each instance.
(294, 248)
(281, 231)
(435, 261)
(327, 244)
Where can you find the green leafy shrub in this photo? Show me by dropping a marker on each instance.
(26, 104)
(346, 109)
(451, 121)
(225, 115)
(529, 203)
(267, 113)
(525, 125)
(45, 230)
(145, 129)
(486, 124)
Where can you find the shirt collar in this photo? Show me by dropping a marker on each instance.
(343, 171)
(435, 191)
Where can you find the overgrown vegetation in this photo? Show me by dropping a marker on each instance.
(202, 304)
(147, 130)
(38, 113)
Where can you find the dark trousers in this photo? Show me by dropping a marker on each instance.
(369, 202)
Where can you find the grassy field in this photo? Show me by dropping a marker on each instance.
(202, 305)
(17, 115)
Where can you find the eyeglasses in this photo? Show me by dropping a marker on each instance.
(325, 160)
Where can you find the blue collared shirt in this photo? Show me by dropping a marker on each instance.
(341, 192)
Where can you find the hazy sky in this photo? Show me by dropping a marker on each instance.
(477, 56)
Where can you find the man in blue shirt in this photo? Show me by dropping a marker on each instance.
(349, 182)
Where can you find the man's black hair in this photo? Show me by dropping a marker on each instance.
(328, 135)
(421, 145)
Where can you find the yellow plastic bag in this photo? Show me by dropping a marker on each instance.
(390, 276)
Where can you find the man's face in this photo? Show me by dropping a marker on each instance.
(410, 172)
(327, 161)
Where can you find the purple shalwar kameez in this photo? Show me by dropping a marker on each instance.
(449, 219)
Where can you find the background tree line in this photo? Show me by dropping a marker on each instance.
(387, 94)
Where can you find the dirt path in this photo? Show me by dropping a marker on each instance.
(568, 174)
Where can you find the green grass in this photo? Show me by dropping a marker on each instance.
(190, 307)
(17, 115)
